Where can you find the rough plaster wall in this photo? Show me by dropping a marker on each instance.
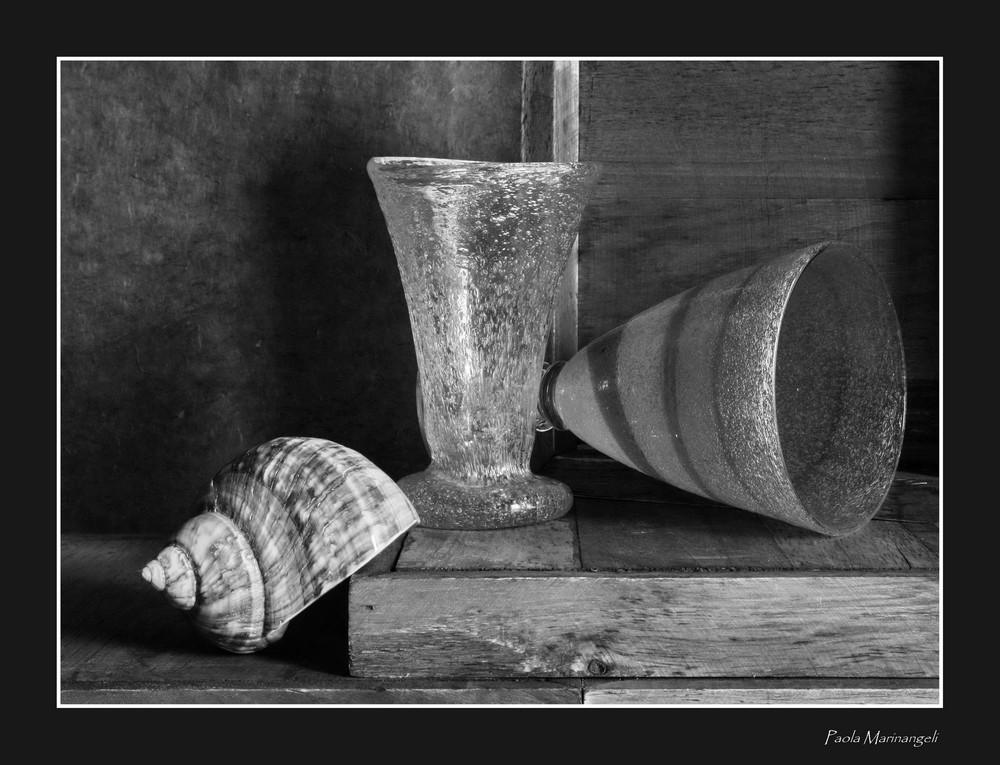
(226, 274)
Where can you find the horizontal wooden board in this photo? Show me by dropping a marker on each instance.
(547, 546)
(594, 475)
(341, 691)
(439, 625)
(784, 128)
(638, 248)
(765, 692)
(669, 178)
(672, 692)
(913, 498)
(640, 535)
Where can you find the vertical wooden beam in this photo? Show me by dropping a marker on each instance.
(566, 148)
(537, 121)
(550, 132)
(566, 111)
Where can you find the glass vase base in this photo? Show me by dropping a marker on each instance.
(443, 502)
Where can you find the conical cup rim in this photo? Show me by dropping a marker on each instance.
(839, 426)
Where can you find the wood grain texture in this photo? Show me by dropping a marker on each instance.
(915, 501)
(856, 129)
(629, 521)
(637, 249)
(385, 561)
(547, 546)
(339, 691)
(713, 166)
(762, 692)
(537, 111)
(590, 474)
(644, 536)
(644, 626)
(354, 691)
(121, 643)
(550, 133)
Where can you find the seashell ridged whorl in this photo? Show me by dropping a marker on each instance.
(278, 527)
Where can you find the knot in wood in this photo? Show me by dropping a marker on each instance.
(597, 667)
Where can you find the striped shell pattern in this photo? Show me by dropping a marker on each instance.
(278, 527)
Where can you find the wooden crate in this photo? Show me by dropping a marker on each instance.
(657, 583)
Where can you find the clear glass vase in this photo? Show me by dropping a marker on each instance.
(481, 247)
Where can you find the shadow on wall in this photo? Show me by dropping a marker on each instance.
(915, 113)
(308, 336)
(227, 276)
(298, 328)
(339, 343)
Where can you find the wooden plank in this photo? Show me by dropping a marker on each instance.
(629, 536)
(547, 546)
(769, 692)
(915, 502)
(922, 438)
(343, 691)
(639, 249)
(913, 498)
(550, 133)
(793, 129)
(882, 545)
(566, 148)
(566, 111)
(385, 561)
(812, 696)
(738, 180)
(636, 536)
(593, 475)
(553, 625)
(355, 691)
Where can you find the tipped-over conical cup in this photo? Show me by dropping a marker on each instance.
(779, 389)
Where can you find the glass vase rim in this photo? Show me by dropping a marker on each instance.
(391, 163)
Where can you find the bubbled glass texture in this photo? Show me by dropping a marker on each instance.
(481, 247)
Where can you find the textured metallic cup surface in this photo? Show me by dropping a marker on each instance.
(779, 389)
(481, 247)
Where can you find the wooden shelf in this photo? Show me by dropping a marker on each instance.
(653, 597)
(660, 584)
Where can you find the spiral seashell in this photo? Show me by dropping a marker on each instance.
(278, 527)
